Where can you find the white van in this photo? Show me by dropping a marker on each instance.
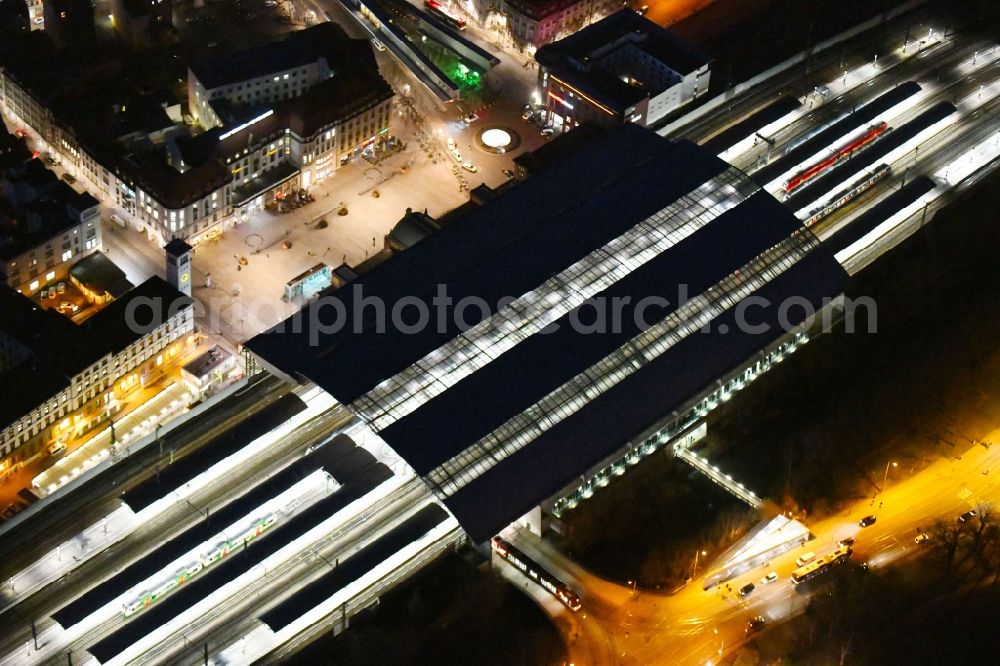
(805, 559)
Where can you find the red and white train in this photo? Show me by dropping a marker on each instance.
(839, 155)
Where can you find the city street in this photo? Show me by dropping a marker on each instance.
(269, 514)
(243, 300)
(696, 626)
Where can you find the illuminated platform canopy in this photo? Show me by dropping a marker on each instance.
(502, 413)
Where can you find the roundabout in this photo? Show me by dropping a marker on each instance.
(498, 139)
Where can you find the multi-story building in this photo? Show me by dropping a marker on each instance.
(262, 140)
(45, 227)
(534, 23)
(69, 21)
(73, 378)
(623, 69)
(261, 76)
(287, 115)
(140, 22)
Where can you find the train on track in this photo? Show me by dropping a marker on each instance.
(838, 156)
(850, 194)
(537, 573)
(205, 559)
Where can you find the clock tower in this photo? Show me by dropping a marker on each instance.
(179, 265)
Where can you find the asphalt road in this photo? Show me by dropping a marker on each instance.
(694, 626)
(619, 626)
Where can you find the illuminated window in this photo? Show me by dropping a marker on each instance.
(51, 275)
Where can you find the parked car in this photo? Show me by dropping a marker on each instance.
(849, 541)
(867, 520)
(756, 624)
(471, 168)
(471, 118)
(69, 178)
(769, 578)
(547, 131)
(921, 538)
(967, 516)
(57, 449)
(747, 589)
(508, 173)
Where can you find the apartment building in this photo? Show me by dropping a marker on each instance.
(45, 227)
(534, 23)
(73, 378)
(287, 115)
(263, 138)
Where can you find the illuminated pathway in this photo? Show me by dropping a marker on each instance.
(692, 626)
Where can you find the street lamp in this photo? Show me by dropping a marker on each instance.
(694, 571)
(886, 475)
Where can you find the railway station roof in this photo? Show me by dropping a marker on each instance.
(536, 386)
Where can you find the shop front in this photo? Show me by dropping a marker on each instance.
(265, 191)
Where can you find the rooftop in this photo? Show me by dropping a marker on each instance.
(298, 49)
(207, 362)
(412, 228)
(61, 349)
(177, 247)
(497, 416)
(354, 86)
(100, 274)
(59, 207)
(596, 58)
(539, 9)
